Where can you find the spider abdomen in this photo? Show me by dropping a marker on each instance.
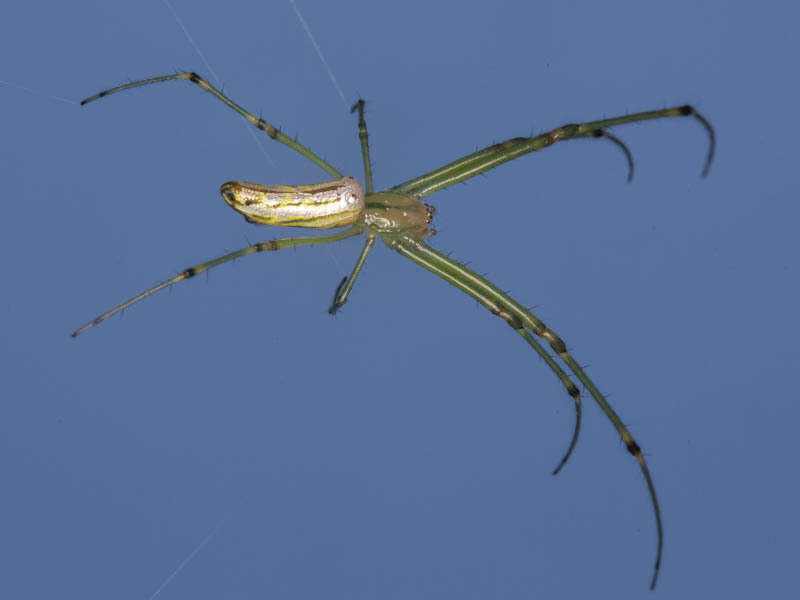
(319, 205)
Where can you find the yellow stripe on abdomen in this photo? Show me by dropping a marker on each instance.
(320, 205)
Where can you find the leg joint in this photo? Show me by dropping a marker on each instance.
(562, 133)
(513, 320)
(269, 245)
(266, 128)
(633, 447)
(556, 343)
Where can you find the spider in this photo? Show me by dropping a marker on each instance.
(402, 221)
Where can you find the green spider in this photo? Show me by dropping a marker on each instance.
(402, 221)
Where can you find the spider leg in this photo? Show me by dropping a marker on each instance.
(628, 156)
(270, 245)
(521, 319)
(572, 390)
(364, 139)
(346, 285)
(478, 162)
(272, 131)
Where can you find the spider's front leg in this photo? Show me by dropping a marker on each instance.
(527, 325)
(481, 161)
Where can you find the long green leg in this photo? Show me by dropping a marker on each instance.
(343, 291)
(491, 156)
(252, 249)
(363, 137)
(620, 144)
(572, 390)
(272, 131)
(520, 319)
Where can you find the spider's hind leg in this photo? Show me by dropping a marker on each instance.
(259, 123)
(270, 245)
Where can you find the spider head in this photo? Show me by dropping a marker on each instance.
(392, 213)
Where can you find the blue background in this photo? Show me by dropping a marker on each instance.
(402, 449)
